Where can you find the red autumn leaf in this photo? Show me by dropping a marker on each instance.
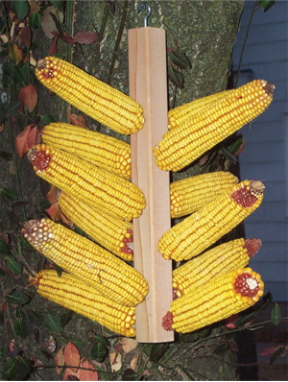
(78, 120)
(273, 349)
(69, 375)
(56, 214)
(54, 46)
(72, 357)
(86, 37)
(65, 37)
(29, 137)
(26, 36)
(87, 375)
(28, 96)
(53, 194)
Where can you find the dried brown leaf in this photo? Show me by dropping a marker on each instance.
(47, 22)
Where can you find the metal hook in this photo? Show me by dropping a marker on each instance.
(141, 7)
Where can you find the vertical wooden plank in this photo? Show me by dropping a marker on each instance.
(148, 85)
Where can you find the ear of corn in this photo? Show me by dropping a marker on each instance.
(217, 261)
(93, 97)
(185, 143)
(96, 187)
(87, 261)
(217, 299)
(180, 114)
(189, 194)
(71, 293)
(111, 233)
(198, 231)
(104, 151)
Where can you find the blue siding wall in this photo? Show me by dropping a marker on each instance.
(265, 155)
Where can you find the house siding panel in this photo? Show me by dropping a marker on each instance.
(265, 156)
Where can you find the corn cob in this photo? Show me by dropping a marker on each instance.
(93, 97)
(87, 261)
(104, 151)
(189, 194)
(217, 261)
(73, 294)
(185, 143)
(96, 187)
(198, 231)
(180, 114)
(215, 300)
(111, 233)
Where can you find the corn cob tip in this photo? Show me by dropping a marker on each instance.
(40, 157)
(268, 88)
(252, 246)
(36, 231)
(127, 243)
(248, 284)
(248, 193)
(167, 321)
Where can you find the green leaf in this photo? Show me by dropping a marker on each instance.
(35, 20)
(66, 317)
(46, 119)
(100, 349)
(13, 265)
(4, 247)
(176, 77)
(17, 297)
(22, 74)
(6, 156)
(266, 4)
(278, 353)
(53, 322)
(20, 324)
(276, 315)
(180, 59)
(17, 369)
(9, 194)
(20, 7)
(157, 351)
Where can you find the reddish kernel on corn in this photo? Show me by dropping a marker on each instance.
(212, 263)
(189, 140)
(87, 261)
(217, 299)
(71, 293)
(95, 98)
(198, 231)
(96, 187)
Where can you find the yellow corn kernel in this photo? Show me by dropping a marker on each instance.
(217, 299)
(104, 151)
(185, 143)
(111, 233)
(87, 261)
(93, 97)
(98, 188)
(179, 115)
(198, 231)
(217, 261)
(189, 194)
(71, 293)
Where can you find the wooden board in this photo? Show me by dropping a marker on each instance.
(148, 85)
